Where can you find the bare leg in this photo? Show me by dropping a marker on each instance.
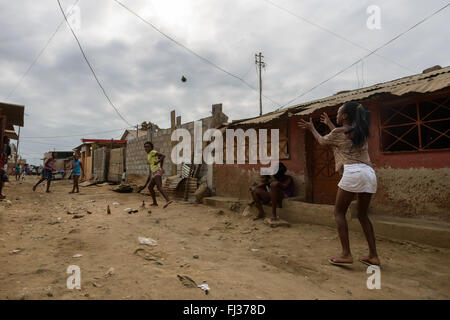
(48, 185)
(75, 179)
(343, 200)
(151, 187)
(260, 196)
(363, 206)
(38, 183)
(158, 181)
(1, 187)
(276, 196)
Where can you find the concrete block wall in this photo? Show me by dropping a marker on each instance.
(136, 158)
(162, 144)
(101, 157)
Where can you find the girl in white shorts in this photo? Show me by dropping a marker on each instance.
(349, 143)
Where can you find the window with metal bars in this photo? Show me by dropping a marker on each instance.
(416, 126)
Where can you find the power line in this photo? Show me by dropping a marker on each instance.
(48, 144)
(335, 34)
(38, 56)
(77, 135)
(245, 74)
(90, 67)
(192, 51)
(366, 56)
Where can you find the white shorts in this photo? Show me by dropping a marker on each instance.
(358, 178)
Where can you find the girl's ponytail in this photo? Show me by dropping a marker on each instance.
(361, 116)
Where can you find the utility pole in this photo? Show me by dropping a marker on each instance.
(18, 140)
(260, 63)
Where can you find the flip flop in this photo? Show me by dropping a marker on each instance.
(337, 263)
(367, 263)
(258, 218)
(165, 206)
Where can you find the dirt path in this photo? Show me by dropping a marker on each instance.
(288, 263)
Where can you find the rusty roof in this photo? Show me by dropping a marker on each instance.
(420, 83)
(13, 112)
(428, 81)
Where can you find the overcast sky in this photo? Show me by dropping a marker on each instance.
(141, 70)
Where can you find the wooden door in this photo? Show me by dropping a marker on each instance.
(324, 177)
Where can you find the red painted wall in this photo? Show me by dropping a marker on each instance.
(401, 160)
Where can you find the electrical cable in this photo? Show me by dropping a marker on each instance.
(366, 56)
(77, 135)
(336, 34)
(38, 56)
(192, 51)
(90, 67)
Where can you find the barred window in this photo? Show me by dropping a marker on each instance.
(416, 126)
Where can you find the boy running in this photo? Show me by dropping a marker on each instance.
(47, 172)
(156, 161)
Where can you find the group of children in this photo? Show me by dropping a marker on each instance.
(349, 144)
(154, 158)
(21, 171)
(75, 167)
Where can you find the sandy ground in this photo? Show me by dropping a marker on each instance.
(285, 263)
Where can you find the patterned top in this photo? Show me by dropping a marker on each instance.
(76, 167)
(344, 151)
(49, 164)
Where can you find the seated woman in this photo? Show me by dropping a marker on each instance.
(281, 187)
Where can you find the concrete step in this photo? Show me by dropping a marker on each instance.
(404, 229)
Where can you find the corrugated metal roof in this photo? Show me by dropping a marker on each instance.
(421, 83)
(261, 119)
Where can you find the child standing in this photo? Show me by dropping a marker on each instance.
(17, 173)
(76, 168)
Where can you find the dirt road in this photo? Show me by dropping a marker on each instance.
(237, 257)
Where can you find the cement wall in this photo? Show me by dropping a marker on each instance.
(116, 165)
(414, 192)
(234, 181)
(101, 158)
(136, 158)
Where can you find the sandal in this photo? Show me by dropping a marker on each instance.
(368, 263)
(335, 261)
